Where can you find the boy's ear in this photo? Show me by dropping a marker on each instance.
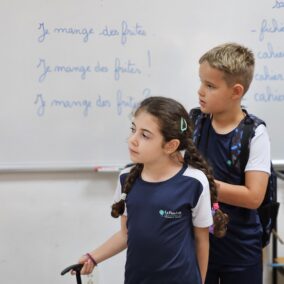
(172, 146)
(238, 91)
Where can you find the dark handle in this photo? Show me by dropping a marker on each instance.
(76, 267)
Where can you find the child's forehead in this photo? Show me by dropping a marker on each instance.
(143, 118)
(206, 71)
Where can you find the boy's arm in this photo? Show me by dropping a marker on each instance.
(202, 249)
(257, 171)
(114, 245)
(249, 195)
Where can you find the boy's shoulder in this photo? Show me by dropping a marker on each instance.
(198, 117)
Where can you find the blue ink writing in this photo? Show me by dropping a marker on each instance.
(73, 69)
(122, 102)
(278, 4)
(270, 53)
(100, 102)
(267, 75)
(44, 32)
(269, 96)
(46, 69)
(127, 31)
(129, 68)
(40, 102)
(84, 104)
(273, 27)
(85, 32)
(98, 68)
(109, 32)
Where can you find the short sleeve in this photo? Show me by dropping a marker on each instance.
(118, 190)
(201, 213)
(259, 156)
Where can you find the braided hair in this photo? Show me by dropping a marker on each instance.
(174, 123)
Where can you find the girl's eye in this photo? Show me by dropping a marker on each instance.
(145, 135)
(132, 129)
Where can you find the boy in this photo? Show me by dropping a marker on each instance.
(226, 72)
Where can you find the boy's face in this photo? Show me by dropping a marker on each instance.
(215, 95)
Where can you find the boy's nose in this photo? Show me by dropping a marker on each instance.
(200, 91)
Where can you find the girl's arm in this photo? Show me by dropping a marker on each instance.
(202, 249)
(114, 245)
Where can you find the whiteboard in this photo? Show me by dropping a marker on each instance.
(72, 71)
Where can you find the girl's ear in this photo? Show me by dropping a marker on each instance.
(171, 146)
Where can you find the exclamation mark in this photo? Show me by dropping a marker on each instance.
(149, 59)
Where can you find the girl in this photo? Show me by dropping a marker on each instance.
(163, 200)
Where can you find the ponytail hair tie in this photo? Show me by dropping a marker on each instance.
(123, 196)
(215, 206)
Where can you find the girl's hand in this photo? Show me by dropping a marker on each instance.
(88, 265)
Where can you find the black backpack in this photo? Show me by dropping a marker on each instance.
(240, 144)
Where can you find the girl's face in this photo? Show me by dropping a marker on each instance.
(146, 141)
(214, 93)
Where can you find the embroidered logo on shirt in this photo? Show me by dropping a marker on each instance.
(170, 214)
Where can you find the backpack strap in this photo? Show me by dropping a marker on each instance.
(197, 117)
(247, 132)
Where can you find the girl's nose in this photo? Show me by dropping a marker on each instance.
(132, 139)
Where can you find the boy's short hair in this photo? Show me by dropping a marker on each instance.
(235, 60)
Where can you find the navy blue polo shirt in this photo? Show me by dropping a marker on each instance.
(160, 220)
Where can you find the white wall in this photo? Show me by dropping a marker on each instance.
(48, 220)
(281, 227)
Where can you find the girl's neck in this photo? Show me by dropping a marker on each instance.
(160, 172)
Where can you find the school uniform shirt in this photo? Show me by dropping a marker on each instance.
(242, 244)
(160, 220)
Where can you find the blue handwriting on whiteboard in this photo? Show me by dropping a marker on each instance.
(40, 102)
(267, 75)
(46, 69)
(127, 31)
(100, 69)
(124, 32)
(130, 68)
(270, 53)
(100, 102)
(83, 70)
(44, 31)
(122, 102)
(269, 96)
(272, 27)
(70, 104)
(278, 4)
(84, 32)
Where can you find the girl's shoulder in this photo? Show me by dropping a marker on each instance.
(197, 174)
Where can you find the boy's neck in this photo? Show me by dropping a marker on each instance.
(225, 122)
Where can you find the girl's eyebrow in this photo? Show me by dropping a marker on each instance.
(143, 129)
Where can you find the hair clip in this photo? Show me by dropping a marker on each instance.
(183, 125)
(123, 196)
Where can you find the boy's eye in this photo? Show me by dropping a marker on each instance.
(209, 86)
(132, 129)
